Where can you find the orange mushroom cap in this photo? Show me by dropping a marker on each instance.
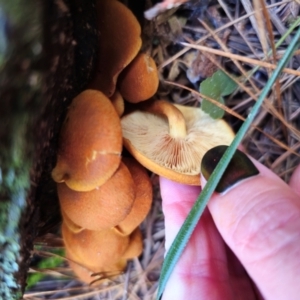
(95, 250)
(96, 275)
(90, 143)
(139, 81)
(102, 251)
(119, 42)
(143, 197)
(101, 208)
(70, 224)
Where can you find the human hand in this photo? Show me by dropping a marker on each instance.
(259, 219)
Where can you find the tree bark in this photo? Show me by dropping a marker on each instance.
(47, 56)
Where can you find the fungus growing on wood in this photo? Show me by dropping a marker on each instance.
(90, 142)
(143, 197)
(139, 80)
(170, 140)
(101, 208)
(119, 42)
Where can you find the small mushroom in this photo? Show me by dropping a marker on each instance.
(101, 208)
(119, 42)
(170, 140)
(90, 143)
(101, 251)
(143, 197)
(96, 275)
(139, 81)
(96, 250)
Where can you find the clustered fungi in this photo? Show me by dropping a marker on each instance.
(103, 196)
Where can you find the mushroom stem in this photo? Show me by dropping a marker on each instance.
(177, 126)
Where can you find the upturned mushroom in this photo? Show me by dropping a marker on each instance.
(101, 208)
(139, 80)
(143, 197)
(119, 43)
(90, 143)
(170, 140)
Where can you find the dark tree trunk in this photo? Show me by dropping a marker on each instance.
(47, 55)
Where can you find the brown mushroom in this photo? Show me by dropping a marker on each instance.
(170, 140)
(102, 251)
(95, 275)
(135, 247)
(82, 272)
(70, 224)
(119, 43)
(101, 208)
(99, 273)
(96, 250)
(139, 81)
(90, 143)
(143, 197)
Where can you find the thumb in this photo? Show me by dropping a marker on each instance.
(259, 218)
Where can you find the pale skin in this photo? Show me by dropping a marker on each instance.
(246, 245)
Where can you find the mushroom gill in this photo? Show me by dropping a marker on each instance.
(170, 140)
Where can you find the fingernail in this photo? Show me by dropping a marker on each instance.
(239, 168)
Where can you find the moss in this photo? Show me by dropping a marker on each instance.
(18, 110)
(46, 263)
(47, 58)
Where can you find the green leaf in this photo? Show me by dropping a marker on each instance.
(192, 219)
(46, 263)
(216, 87)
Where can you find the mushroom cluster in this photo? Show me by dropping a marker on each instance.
(104, 197)
(121, 68)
